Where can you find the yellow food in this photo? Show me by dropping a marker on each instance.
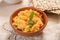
(28, 21)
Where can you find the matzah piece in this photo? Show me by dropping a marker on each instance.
(46, 4)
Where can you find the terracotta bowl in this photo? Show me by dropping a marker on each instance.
(44, 16)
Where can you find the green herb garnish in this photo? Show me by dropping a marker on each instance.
(31, 15)
(30, 22)
(27, 28)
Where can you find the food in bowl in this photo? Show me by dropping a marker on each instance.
(28, 21)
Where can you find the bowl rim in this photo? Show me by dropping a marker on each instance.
(33, 9)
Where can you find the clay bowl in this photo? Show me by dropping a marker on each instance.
(44, 16)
